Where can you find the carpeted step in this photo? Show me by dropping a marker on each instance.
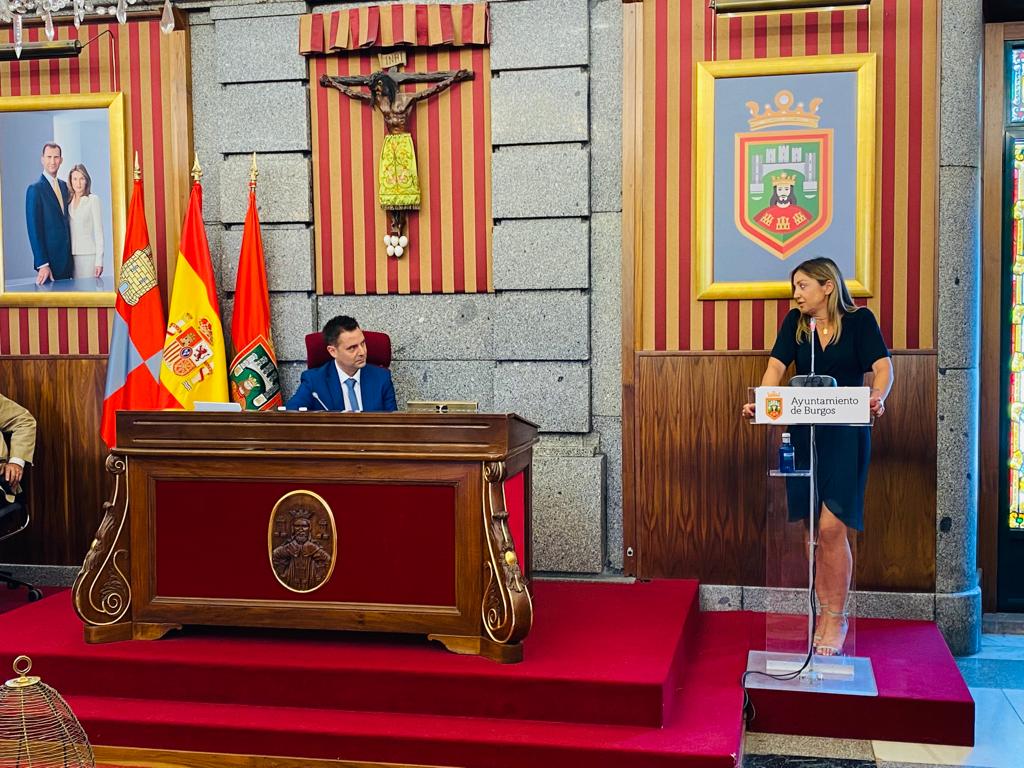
(598, 653)
(922, 696)
(704, 730)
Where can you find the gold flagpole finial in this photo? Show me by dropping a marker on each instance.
(197, 171)
(138, 170)
(253, 171)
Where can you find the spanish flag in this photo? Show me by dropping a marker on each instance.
(255, 384)
(195, 365)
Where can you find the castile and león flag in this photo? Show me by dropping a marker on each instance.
(136, 345)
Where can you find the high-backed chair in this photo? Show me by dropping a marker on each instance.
(14, 518)
(378, 349)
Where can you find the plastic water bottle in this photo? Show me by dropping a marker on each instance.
(787, 456)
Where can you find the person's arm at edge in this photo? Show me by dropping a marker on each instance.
(882, 383)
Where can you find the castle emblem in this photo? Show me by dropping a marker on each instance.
(783, 183)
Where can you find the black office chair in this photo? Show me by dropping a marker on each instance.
(14, 518)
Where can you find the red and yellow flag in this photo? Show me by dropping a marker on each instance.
(136, 345)
(195, 362)
(253, 377)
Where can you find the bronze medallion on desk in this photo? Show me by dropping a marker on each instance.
(302, 541)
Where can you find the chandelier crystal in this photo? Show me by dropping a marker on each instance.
(14, 11)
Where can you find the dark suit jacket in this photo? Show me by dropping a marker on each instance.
(49, 228)
(377, 391)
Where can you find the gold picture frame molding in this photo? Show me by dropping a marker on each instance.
(113, 102)
(707, 72)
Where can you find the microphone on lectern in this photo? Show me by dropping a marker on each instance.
(814, 340)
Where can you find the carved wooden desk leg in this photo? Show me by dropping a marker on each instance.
(503, 653)
(102, 592)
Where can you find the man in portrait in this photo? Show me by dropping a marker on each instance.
(300, 562)
(47, 220)
(783, 213)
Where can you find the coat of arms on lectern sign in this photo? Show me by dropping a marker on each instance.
(302, 541)
(773, 405)
(784, 169)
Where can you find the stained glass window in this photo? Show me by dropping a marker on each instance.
(1017, 85)
(1016, 447)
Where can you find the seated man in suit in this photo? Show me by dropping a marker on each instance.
(348, 382)
(22, 426)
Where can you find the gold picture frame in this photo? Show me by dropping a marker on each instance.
(76, 123)
(743, 234)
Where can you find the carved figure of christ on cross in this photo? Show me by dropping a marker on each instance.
(397, 176)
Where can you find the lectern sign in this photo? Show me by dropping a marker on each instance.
(812, 405)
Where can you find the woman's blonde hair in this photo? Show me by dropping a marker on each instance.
(840, 302)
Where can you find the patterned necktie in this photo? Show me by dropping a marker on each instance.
(351, 384)
(56, 191)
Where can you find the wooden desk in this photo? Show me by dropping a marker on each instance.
(390, 522)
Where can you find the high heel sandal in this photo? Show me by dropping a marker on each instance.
(817, 626)
(823, 649)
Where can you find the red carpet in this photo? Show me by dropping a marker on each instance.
(16, 598)
(921, 695)
(614, 675)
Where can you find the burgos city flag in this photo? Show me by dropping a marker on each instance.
(194, 366)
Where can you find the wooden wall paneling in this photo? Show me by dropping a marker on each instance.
(990, 502)
(701, 483)
(896, 551)
(991, 302)
(67, 484)
(700, 469)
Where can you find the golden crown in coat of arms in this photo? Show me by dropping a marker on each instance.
(784, 113)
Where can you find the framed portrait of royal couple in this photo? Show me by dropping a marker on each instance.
(784, 170)
(62, 199)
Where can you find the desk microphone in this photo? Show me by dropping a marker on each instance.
(320, 401)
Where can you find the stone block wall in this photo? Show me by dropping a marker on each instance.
(546, 343)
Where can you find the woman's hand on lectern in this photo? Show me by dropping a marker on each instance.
(877, 403)
(748, 410)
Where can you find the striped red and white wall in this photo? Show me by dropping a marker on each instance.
(685, 31)
(139, 60)
(450, 235)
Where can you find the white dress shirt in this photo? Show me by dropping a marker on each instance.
(342, 377)
(87, 229)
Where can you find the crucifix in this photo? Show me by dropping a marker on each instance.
(397, 177)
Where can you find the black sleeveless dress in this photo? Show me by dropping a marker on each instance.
(843, 452)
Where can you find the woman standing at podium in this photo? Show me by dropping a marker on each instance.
(848, 345)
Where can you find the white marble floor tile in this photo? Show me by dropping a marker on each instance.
(1016, 701)
(998, 734)
(1007, 647)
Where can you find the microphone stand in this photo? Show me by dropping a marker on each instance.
(812, 542)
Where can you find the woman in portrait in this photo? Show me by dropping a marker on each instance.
(848, 345)
(86, 224)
